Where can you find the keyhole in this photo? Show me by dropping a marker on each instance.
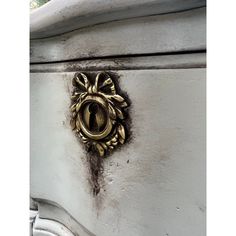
(93, 109)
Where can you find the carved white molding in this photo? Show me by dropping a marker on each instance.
(33, 214)
(43, 227)
(46, 227)
(51, 218)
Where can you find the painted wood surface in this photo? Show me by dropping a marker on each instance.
(154, 185)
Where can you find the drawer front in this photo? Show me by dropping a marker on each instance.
(153, 185)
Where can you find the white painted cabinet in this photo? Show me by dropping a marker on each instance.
(154, 184)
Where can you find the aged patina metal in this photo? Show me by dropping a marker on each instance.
(98, 112)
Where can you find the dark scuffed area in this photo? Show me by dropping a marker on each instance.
(95, 169)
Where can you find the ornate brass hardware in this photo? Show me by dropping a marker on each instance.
(97, 112)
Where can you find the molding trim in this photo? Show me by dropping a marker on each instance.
(175, 61)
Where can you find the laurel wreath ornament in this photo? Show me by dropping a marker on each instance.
(98, 112)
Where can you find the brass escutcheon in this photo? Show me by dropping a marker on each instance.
(97, 112)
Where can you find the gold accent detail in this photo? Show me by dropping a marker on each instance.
(97, 112)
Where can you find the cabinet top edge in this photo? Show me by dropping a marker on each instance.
(59, 17)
